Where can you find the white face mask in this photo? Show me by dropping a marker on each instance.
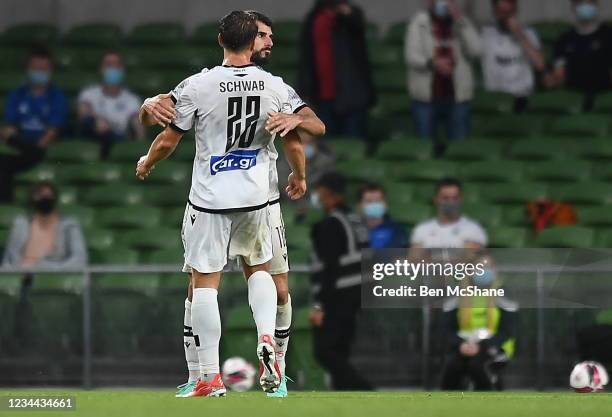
(441, 8)
(314, 201)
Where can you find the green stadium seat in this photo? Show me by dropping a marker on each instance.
(426, 171)
(405, 150)
(312, 216)
(10, 80)
(543, 149)
(515, 215)
(73, 59)
(167, 196)
(512, 194)
(185, 151)
(285, 57)
(206, 34)
(99, 239)
(160, 33)
(364, 170)
(74, 151)
(493, 171)
(603, 238)
(129, 217)
(287, 32)
(43, 172)
(300, 256)
(177, 58)
(302, 359)
(473, 150)
(147, 83)
(506, 126)
(13, 58)
(396, 34)
(346, 148)
(507, 237)
(152, 239)
(88, 174)
(165, 257)
(576, 170)
(603, 103)
(595, 216)
(487, 214)
(596, 149)
(394, 104)
(411, 214)
(8, 214)
(390, 80)
(84, 215)
(128, 151)
(10, 285)
(592, 193)
(114, 256)
(74, 81)
(556, 102)
(170, 172)
(239, 334)
(581, 126)
(173, 282)
(492, 103)
(174, 216)
(113, 195)
(28, 34)
(399, 193)
(385, 56)
(94, 34)
(550, 31)
(298, 236)
(565, 237)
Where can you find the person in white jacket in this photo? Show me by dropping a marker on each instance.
(440, 43)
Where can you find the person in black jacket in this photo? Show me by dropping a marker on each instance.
(337, 242)
(335, 71)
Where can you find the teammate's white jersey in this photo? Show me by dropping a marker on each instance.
(295, 104)
(229, 107)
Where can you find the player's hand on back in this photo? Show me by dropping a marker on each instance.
(160, 108)
(282, 123)
(142, 168)
(296, 187)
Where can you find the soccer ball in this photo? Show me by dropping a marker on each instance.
(238, 375)
(588, 376)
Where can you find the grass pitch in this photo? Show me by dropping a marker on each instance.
(157, 403)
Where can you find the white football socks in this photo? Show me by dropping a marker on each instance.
(206, 323)
(190, 341)
(282, 332)
(262, 299)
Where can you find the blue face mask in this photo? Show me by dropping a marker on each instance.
(112, 75)
(486, 279)
(309, 150)
(586, 12)
(39, 77)
(441, 8)
(375, 210)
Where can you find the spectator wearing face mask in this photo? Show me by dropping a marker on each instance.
(449, 229)
(440, 43)
(480, 335)
(383, 231)
(583, 55)
(510, 54)
(108, 112)
(35, 114)
(45, 238)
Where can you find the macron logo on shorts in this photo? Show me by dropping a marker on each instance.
(239, 159)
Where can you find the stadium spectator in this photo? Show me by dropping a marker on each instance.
(384, 232)
(440, 42)
(510, 54)
(45, 239)
(35, 114)
(336, 278)
(583, 55)
(335, 72)
(450, 229)
(320, 160)
(108, 112)
(480, 336)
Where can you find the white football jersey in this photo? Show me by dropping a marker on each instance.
(229, 106)
(295, 104)
(432, 234)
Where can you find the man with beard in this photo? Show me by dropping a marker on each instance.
(303, 122)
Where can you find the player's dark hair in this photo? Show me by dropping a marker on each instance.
(238, 30)
(370, 187)
(262, 18)
(39, 51)
(448, 182)
(334, 182)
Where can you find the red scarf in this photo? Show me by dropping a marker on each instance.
(443, 86)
